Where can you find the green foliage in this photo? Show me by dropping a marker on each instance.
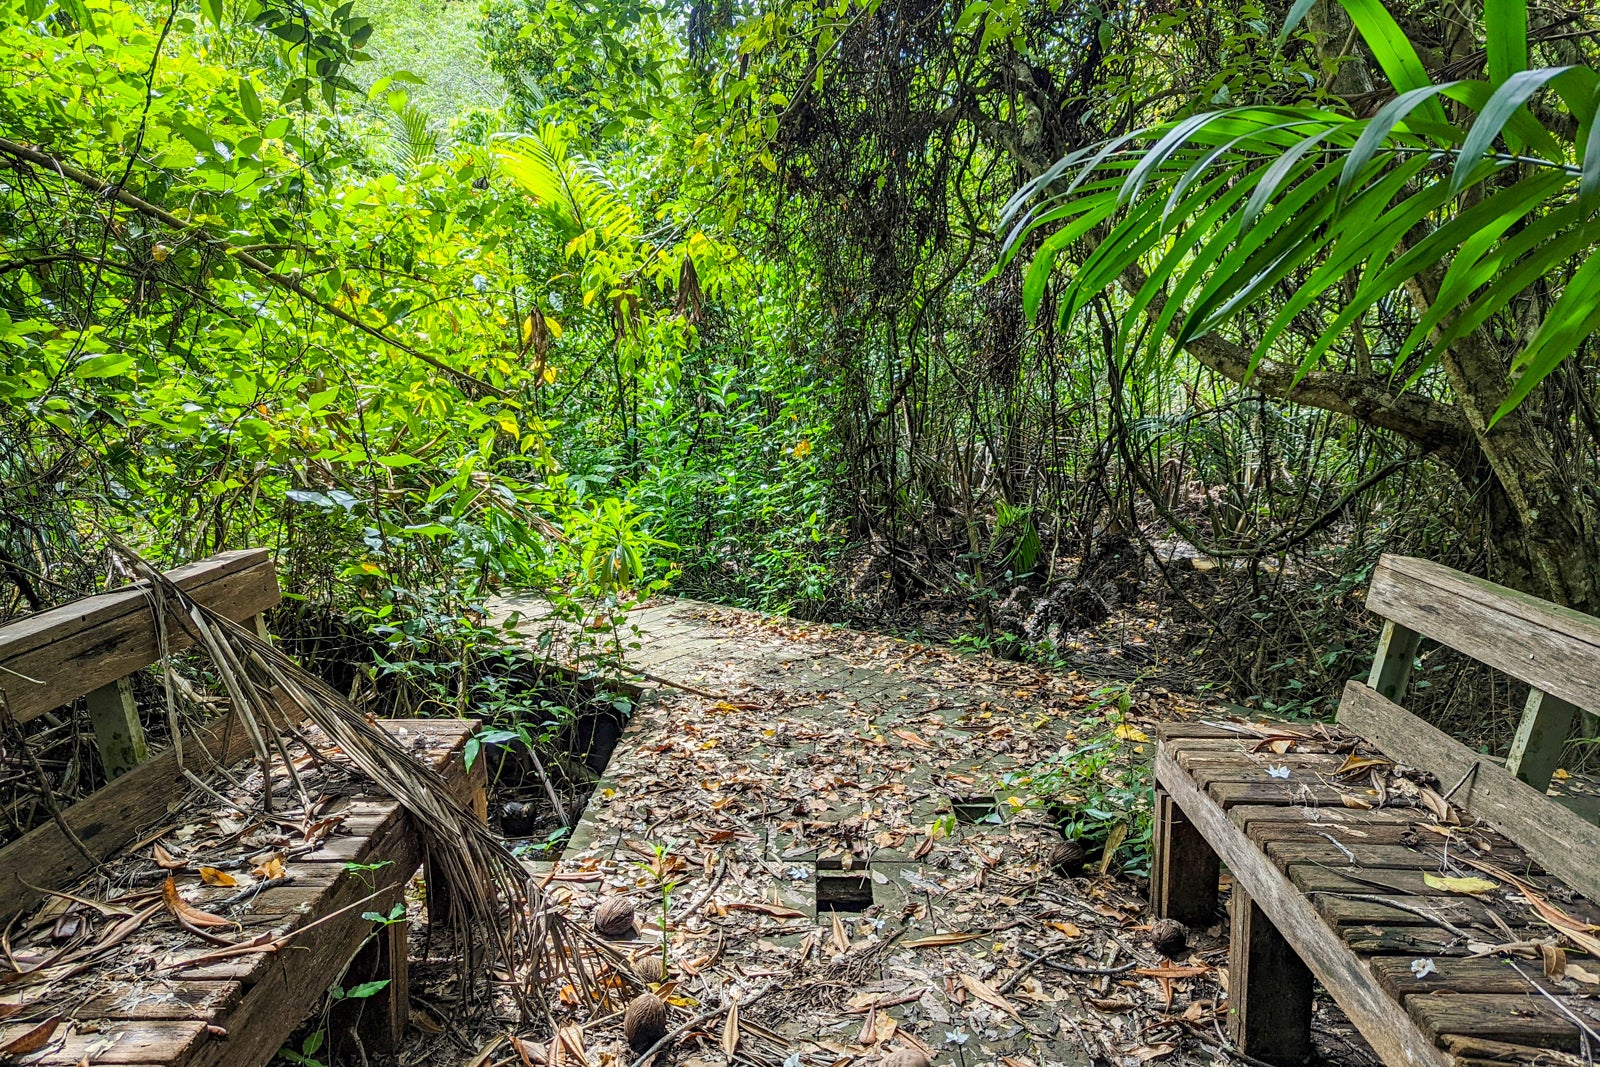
(1239, 200)
(1096, 787)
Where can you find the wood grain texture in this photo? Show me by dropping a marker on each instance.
(1391, 666)
(1551, 648)
(56, 656)
(1185, 871)
(1563, 843)
(1541, 736)
(1269, 988)
(1527, 1019)
(1380, 1019)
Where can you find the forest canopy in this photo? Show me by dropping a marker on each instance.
(986, 317)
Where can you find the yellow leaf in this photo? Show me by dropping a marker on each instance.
(272, 867)
(802, 449)
(160, 253)
(1129, 732)
(212, 876)
(1459, 885)
(527, 329)
(553, 326)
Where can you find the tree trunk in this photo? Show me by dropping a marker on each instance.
(1552, 552)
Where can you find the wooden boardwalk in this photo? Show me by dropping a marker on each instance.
(846, 823)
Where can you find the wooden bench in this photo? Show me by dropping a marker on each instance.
(146, 1002)
(1335, 878)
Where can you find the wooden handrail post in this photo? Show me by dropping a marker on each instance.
(117, 731)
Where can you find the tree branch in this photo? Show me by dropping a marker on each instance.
(114, 192)
(1433, 425)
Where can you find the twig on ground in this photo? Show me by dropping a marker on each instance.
(1049, 961)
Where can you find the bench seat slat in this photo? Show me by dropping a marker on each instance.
(121, 1045)
(1523, 1019)
(1557, 838)
(1385, 1023)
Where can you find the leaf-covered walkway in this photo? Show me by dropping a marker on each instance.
(846, 819)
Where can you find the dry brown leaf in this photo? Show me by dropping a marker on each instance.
(33, 1040)
(530, 1056)
(1148, 1053)
(730, 1031)
(271, 867)
(165, 860)
(1581, 933)
(213, 876)
(775, 910)
(1579, 973)
(1355, 765)
(841, 940)
(1067, 928)
(989, 995)
(1555, 962)
(1114, 841)
(911, 738)
(1439, 807)
(940, 940)
(186, 912)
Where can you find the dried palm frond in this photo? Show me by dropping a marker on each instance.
(494, 900)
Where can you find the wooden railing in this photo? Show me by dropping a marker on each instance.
(88, 649)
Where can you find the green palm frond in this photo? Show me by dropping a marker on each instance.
(572, 188)
(416, 139)
(1217, 211)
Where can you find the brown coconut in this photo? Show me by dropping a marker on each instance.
(906, 1057)
(1169, 937)
(1066, 857)
(651, 969)
(645, 1021)
(613, 919)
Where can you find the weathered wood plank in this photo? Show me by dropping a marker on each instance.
(285, 987)
(1383, 1022)
(1269, 988)
(1527, 1019)
(1185, 871)
(1274, 791)
(155, 1042)
(178, 999)
(105, 820)
(1450, 976)
(1551, 648)
(1558, 839)
(1391, 666)
(1541, 735)
(56, 656)
(118, 734)
(1403, 857)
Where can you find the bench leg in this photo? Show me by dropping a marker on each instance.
(1536, 750)
(1269, 989)
(1184, 871)
(379, 1021)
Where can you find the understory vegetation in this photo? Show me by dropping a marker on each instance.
(1118, 337)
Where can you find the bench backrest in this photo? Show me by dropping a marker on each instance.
(88, 648)
(57, 656)
(1553, 649)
